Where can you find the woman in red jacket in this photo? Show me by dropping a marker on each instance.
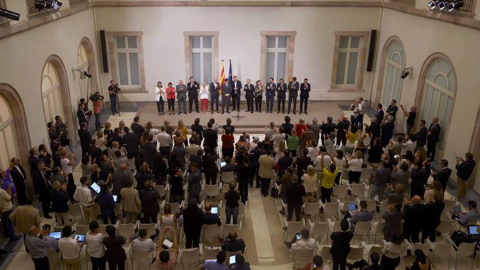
(171, 98)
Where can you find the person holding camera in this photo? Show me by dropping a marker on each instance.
(113, 93)
(97, 101)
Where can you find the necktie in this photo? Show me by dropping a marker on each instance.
(20, 171)
(47, 184)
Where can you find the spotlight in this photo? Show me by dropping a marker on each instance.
(441, 5)
(48, 4)
(459, 4)
(85, 74)
(405, 72)
(450, 6)
(432, 4)
(9, 14)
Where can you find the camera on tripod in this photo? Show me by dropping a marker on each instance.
(96, 97)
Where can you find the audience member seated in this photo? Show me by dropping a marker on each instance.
(392, 251)
(209, 218)
(167, 259)
(51, 242)
(316, 264)
(471, 215)
(233, 244)
(217, 265)
(143, 242)
(240, 263)
(420, 262)
(304, 243)
(362, 214)
(363, 265)
(341, 245)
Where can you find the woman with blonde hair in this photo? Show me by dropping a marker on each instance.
(101, 142)
(183, 131)
(310, 180)
(280, 150)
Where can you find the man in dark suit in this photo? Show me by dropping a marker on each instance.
(211, 137)
(388, 127)
(379, 114)
(433, 136)
(150, 148)
(342, 130)
(304, 94)
(270, 94)
(413, 219)
(192, 88)
(236, 91)
(131, 141)
(42, 188)
(181, 90)
(282, 94)
(293, 87)
(302, 163)
(392, 109)
(226, 92)
(327, 128)
(443, 175)
(295, 194)
(19, 178)
(85, 138)
(214, 93)
(82, 117)
(421, 136)
(375, 128)
(137, 128)
(341, 245)
(122, 177)
(249, 94)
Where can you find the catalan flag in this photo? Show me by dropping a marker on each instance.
(222, 77)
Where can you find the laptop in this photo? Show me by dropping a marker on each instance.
(352, 207)
(232, 260)
(206, 261)
(80, 237)
(457, 209)
(95, 187)
(215, 210)
(56, 235)
(472, 230)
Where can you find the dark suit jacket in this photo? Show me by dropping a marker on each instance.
(193, 89)
(414, 216)
(214, 91)
(434, 135)
(149, 199)
(293, 88)
(433, 213)
(42, 186)
(85, 138)
(392, 110)
(150, 150)
(115, 252)
(387, 132)
(295, 192)
(270, 88)
(138, 130)
(341, 243)
(18, 179)
(281, 89)
(393, 221)
(193, 220)
(239, 88)
(249, 90)
(211, 138)
(210, 164)
(81, 116)
(421, 136)
(226, 89)
(443, 176)
(305, 91)
(131, 140)
(379, 115)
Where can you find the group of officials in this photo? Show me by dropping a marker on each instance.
(231, 92)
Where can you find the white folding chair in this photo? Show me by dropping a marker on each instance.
(370, 249)
(358, 190)
(363, 228)
(227, 228)
(241, 213)
(366, 174)
(356, 253)
(311, 209)
(465, 250)
(103, 230)
(190, 258)
(210, 253)
(53, 259)
(150, 227)
(293, 227)
(424, 247)
(176, 207)
(377, 229)
(440, 250)
(212, 191)
(446, 227)
(228, 177)
(141, 259)
(449, 205)
(81, 229)
(302, 257)
(325, 253)
(318, 230)
(340, 191)
(371, 205)
(126, 230)
(75, 210)
(210, 235)
(334, 225)
(330, 209)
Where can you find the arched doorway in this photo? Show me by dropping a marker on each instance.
(436, 94)
(14, 136)
(86, 61)
(394, 62)
(56, 94)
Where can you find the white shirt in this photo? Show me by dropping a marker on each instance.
(313, 152)
(327, 160)
(330, 146)
(303, 244)
(160, 92)
(355, 165)
(69, 247)
(340, 163)
(95, 245)
(145, 244)
(68, 169)
(83, 195)
(204, 92)
(164, 139)
(409, 145)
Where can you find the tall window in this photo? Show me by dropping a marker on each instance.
(392, 82)
(202, 58)
(126, 59)
(51, 94)
(276, 57)
(8, 141)
(438, 96)
(349, 59)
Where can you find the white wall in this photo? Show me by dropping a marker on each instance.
(24, 55)
(239, 39)
(460, 44)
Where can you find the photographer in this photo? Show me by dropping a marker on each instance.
(97, 101)
(113, 93)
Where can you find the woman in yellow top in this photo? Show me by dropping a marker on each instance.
(351, 139)
(329, 175)
(183, 131)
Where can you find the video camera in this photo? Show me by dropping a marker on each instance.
(96, 97)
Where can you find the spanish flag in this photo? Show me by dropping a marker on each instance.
(222, 77)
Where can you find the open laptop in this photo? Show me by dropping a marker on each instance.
(457, 209)
(472, 230)
(56, 235)
(352, 207)
(215, 210)
(80, 238)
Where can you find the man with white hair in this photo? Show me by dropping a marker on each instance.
(37, 248)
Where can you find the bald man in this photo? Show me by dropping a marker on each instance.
(432, 138)
(414, 213)
(37, 248)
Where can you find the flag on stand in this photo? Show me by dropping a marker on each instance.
(230, 79)
(222, 77)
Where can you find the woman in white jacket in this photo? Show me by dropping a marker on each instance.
(160, 97)
(204, 97)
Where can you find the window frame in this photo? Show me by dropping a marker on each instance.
(290, 53)
(113, 57)
(187, 35)
(276, 50)
(361, 61)
(201, 51)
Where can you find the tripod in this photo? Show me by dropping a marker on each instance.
(238, 112)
